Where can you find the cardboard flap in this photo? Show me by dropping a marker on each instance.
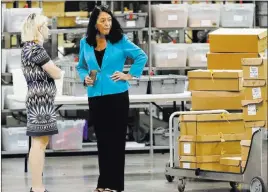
(220, 117)
(223, 74)
(188, 138)
(208, 159)
(261, 124)
(263, 34)
(252, 61)
(187, 118)
(243, 164)
(219, 138)
(254, 83)
(250, 102)
(191, 159)
(245, 143)
(231, 161)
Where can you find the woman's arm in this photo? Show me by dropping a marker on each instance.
(82, 66)
(137, 54)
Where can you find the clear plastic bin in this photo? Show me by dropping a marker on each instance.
(74, 88)
(15, 17)
(15, 139)
(70, 136)
(131, 20)
(237, 15)
(13, 59)
(170, 15)
(161, 137)
(197, 54)
(262, 19)
(204, 15)
(138, 86)
(169, 55)
(4, 61)
(6, 90)
(262, 7)
(168, 84)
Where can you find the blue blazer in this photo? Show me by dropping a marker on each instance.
(113, 60)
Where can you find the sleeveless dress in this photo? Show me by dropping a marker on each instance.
(41, 115)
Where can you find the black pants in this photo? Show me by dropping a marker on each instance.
(110, 115)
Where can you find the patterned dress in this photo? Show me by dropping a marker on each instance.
(41, 116)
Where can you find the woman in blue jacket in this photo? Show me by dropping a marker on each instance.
(102, 56)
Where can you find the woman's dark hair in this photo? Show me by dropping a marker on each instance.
(116, 32)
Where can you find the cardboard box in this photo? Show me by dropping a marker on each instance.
(213, 100)
(233, 164)
(255, 110)
(252, 127)
(208, 163)
(238, 40)
(228, 61)
(245, 146)
(212, 124)
(215, 80)
(56, 8)
(255, 68)
(208, 145)
(255, 89)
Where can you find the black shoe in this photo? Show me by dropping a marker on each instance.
(31, 190)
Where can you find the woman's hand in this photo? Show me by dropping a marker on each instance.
(89, 81)
(121, 76)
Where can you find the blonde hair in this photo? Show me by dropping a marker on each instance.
(30, 27)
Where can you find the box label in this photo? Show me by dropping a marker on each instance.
(172, 17)
(187, 148)
(252, 110)
(22, 143)
(256, 93)
(254, 129)
(186, 165)
(172, 56)
(238, 18)
(131, 23)
(206, 23)
(254, 73)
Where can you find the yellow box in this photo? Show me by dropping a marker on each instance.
(238, 40)
(252, 127)
(212, 124)
(233, 164)
(255, 110)
(8, 3)
(208, 145)
(228, 61)
(213, 100)
(216, 80)
(255, 89)
(54, 8)
(245, 146)
(255, 68)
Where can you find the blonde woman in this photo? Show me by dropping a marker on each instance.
(39, 72)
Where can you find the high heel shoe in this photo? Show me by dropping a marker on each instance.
(31, 190)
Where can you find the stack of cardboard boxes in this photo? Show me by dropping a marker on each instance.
(212, 141)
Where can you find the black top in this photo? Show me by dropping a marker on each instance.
(99, 56)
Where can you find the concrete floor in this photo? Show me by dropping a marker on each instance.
(73, 174)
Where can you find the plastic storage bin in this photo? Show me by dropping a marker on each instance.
(138, 86)
(15, 139)
(15, 17)
(70, 136)
(74, 88)
(237, 15)
(4, 61)
(161, 137)
(170, 15)
(131, 20)
(197, 54)
(262, 19)
(204, 15)
(167, 55)
(262, 7)
(168, 84)
(13, 59)
(6, 90)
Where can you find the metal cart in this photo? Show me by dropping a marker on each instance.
(254, 174)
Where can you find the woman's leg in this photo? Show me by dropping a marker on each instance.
(36, 160)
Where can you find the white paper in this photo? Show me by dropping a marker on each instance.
(187, 148)
(172, 56)
(186, 165)
(238, 18)
(131, 23)
(172, 17)
(254, 73)
(256, 93)
(252, 110)
(206, 23)
(22, 143)
(254, 129)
